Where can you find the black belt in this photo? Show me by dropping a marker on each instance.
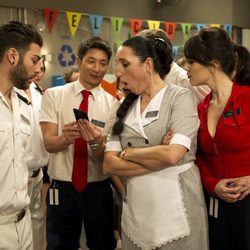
(35, 173)
(20, 215)
(66, 184)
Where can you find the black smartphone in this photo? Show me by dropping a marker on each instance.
(79, 114)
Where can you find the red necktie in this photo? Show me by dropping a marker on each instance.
(80, 166)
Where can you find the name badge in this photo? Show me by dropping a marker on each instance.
(98, 123)
(152, 113)
(231, 113)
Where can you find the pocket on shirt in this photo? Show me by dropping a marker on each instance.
(26, 140)
(5, 137)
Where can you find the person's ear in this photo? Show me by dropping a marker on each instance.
(149, 63)
(12, 56)
(214, 65)
(78, 62)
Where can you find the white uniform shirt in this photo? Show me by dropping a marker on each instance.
(40, 156)
(57, 107)
(15, 150)
(179, 77)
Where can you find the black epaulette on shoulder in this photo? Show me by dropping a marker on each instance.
(24, 99)
(39, 89)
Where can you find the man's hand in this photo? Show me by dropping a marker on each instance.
(71, 132)
(90, 133)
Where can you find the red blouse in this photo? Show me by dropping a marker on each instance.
(227, 154)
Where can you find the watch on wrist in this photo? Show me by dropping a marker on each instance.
(94, 146)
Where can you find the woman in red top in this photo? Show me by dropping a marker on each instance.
(223, 155)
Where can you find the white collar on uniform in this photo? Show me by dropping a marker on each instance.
(137, 121)
(79, 88)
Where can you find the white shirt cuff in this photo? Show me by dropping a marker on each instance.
(113, 146)
(181, 140)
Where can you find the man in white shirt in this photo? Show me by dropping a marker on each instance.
(40, 158)
(20, 46)
(67, 204)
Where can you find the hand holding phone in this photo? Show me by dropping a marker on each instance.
(79, 114)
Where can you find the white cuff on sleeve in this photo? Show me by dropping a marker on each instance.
(113, 146)
(181, 140)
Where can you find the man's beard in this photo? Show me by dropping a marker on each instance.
(20, 77)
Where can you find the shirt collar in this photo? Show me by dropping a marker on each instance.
(79, 88)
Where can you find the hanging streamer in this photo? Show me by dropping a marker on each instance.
(73, 20)
(200, 26)
(135, 25)
(50, 17)
(96, 22)
(170, 29)
(116, 23)
(186, 27)
(153, 24)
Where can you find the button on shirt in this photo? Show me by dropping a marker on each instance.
(57, 107)
(15, 150)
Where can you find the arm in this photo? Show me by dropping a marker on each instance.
(118, 184)
(114, 165)
(184, 124)
(55, 143)
(222, 188)
(156, 157)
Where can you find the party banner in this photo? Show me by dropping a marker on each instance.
(116, 23)
(117, 44)
(228, 29)
(215, 25)
(96, 22)
(200, 26)
(170, 29)
(50, 17)
(186, 27)
(135, 25)
(152, 24)
(73, 20)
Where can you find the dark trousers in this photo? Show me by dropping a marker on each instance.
(231, 230)
(93, 207)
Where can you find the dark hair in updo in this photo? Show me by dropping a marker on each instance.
(215, 44)
(143, 48)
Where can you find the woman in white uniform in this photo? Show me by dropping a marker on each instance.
(163, 207)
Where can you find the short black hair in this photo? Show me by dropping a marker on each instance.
(19, 36)
(94, 42)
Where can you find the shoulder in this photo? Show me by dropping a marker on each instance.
(108, 96)
(58, 90)
(241, 94)
(176, 74)
(178, 90)
(241, 90)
